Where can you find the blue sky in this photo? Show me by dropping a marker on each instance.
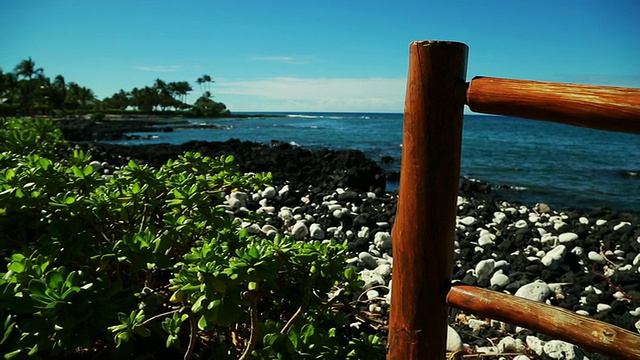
(347, 55)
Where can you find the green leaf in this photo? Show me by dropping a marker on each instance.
(12, 354)
(172, 340)
(77, 172)
(197, 306)
(293, 337)
(202, 323)
(37, 288)
(33, 350)
(307, 332)
(252, 286)
(16, 267)
(8, 331)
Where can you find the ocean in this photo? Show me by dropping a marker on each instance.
(532, 161)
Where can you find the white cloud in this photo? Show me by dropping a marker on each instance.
(314, 94)
(170, 68)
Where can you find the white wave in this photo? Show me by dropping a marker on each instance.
(304, 116)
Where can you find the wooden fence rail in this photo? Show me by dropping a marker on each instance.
(423, 232)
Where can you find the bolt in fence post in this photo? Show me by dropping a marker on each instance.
(424, 229)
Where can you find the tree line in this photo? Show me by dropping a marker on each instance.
(27, 91)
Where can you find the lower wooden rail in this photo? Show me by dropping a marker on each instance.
(554, 321)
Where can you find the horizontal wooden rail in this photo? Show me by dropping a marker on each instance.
(597, 107)
(554, 321)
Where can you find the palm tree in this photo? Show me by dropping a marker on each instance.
(200, 81)
(58, 92)
(27, 69)
(207, 79)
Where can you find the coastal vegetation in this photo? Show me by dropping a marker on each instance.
(27, 91)
(148, 263)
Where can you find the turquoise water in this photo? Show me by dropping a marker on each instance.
(564, 166)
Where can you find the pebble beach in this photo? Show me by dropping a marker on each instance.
(586, 261)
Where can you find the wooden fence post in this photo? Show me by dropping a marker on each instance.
(424, 229)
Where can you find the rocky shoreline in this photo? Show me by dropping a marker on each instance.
(587, 261)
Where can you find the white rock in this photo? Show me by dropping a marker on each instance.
(556, 288)
(567, 237)
(578, 251)
(371, 279)
(559, 224)
(636, 260)
(364, 232)
(554, 256)
(337, 213)
(382, 240)
(285, 214)
(316, 232)
(96, 165)
(266, 209)
(476, 324)
(623, 227)
(592, 289)
(454, 342)
(522, 357)
(484, 268)
(253, 229)
(372, 294)
(299, 230)
(635, 312)
(498, 217)
(584, 220)
(368, 260)
(269, 192)
(603, 307)
(595, 257)
(535, 344)
(283, 190)
(468, 220)
(549, 239)
(499, 279)
(486, 239)
(235, 203)
(601, 222)
(269, 229)
(502, 264)
(582, 312)
(509, 344)
(383, 269)
(520, 224)
(637, 325)
(556, 349)
(618, 295)
(536, 291)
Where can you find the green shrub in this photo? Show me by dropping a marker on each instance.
(123, 266)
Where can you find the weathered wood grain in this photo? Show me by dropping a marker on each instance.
(423, 233)
(598, 107)
(554, 321)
